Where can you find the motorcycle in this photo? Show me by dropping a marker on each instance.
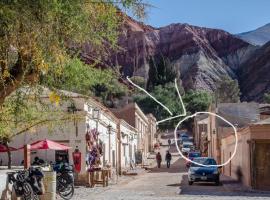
(27, 184)
(65, 181)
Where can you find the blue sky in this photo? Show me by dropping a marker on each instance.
(234, 16)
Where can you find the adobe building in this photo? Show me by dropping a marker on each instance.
(69, 132)
(238, 114)
(152, 130)
(252, 159)
(127, 146)
(200, 133)
(114, 135)
(133, 115)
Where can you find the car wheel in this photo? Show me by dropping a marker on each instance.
(190, 182)
(217, 183)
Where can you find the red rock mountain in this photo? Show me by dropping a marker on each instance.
(202, 55)
(254, 75)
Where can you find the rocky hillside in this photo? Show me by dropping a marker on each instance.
(260, 36)
(255, 75)
(201, 55)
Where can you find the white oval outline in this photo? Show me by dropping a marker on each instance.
(210, 113)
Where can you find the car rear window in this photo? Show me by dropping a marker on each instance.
(193, 155)
(208, 161)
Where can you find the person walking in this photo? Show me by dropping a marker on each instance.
(169, 143)
(159, 159)
(168, 159)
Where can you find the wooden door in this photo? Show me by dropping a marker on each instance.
(262, 165)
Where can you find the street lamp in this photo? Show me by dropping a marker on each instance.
(109, 132)
(72, 109)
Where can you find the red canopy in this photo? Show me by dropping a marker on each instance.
(3, 148)
(48, 144)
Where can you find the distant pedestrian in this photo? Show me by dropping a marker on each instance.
(159, 159)
(169, 143)
(168, 159)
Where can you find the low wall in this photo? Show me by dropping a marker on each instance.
(5, 193)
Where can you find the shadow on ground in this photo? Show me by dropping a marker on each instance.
(226, 188)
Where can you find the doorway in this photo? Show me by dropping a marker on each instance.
(63, 154)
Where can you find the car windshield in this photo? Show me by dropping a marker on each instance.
(204, 161)
(194, 155)
(186, 146)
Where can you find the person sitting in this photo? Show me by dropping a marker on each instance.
(36, 161)
(41, 162)
(58, 163)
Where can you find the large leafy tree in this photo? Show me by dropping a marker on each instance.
(196, 101)
(85, 79)
(35, 35)
(166, 94)
(36, 47)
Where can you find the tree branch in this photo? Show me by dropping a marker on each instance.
(43, 122)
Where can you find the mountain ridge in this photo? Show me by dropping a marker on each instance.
(254, 75)
(202, 56)
(259, 36)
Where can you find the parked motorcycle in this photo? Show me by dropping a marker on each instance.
(65, 181)
(27, 184)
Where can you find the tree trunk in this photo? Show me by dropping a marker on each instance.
(20, 76)
(9, 155)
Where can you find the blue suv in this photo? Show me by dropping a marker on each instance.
(197, 173)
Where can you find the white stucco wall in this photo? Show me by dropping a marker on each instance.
(66, 134)
(128, 144)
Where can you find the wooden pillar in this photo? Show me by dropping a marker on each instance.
(27, 156)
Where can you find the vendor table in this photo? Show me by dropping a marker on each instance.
(100, 176)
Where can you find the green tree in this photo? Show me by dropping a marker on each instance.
(86, 80)
(36, 35)
(196, 101)
(227, 90)
(166, 94)
(267, 97)
(23, 111)
(161, 71)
